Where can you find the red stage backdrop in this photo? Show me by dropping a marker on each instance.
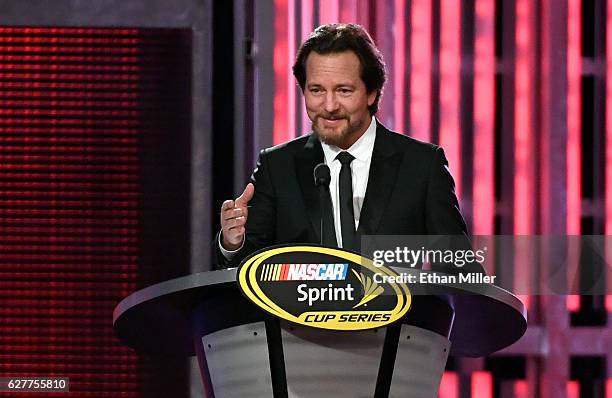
(75, 116)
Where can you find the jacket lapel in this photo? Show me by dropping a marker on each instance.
(384, 167)
(305, 162)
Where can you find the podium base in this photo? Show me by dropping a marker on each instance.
(320, 363)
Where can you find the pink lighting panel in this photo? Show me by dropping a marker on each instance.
(500, 86)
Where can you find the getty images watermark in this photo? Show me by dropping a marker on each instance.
(411, 257)
(525, 264)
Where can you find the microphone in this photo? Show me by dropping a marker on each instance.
(322, 177)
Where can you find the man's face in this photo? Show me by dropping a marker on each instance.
(336, 98)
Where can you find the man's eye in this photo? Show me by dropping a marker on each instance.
(315, 90)
(345, 91)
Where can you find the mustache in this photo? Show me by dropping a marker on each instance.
(331, 116)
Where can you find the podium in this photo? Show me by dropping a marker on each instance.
(245, 352)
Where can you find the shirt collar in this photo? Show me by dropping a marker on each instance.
(361, 149)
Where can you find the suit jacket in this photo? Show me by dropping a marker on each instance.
(410, 192)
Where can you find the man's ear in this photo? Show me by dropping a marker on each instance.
(372, 97)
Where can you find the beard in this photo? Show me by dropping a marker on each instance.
(336, 136)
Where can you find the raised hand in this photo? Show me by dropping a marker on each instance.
(234, 215)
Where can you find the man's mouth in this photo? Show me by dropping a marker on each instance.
(331, 121)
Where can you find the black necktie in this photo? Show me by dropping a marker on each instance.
(327, 214)
(345, 187)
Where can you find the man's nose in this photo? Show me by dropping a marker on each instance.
(331, 103)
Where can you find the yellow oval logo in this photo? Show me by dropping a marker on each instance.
(323, 287)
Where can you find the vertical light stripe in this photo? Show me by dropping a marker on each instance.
(525, 249)
(608, 171)
(420, 70)
(484, 119)
(573, 389)
(307, 19)
(307, 28)
(524, 194)
(281, 68)
(524, 159)
(328, 11)
(400, 64)
(450, 73)
(574, 67)
(574, 162)
(449, 385)
(362, 13)
(572, 302)
(291, 83)
(521, 389)
(482, 385)
(348, 11)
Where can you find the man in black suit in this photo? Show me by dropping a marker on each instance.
(382, 183)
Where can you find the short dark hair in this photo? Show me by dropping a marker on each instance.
(341, 37)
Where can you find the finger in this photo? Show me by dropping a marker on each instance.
(226, 214)
(246, 196)
(232, 213)
(228, 204)
(235, 222)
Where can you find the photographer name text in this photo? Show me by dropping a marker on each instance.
(433, 278)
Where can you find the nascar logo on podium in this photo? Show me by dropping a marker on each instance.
(323, 287)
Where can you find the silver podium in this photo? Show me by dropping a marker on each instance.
(245, 352)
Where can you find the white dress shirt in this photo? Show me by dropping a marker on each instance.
(360, 171)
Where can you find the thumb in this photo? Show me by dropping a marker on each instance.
(246, 196)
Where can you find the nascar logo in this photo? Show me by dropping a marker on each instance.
(322, 287)
(303, 272)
